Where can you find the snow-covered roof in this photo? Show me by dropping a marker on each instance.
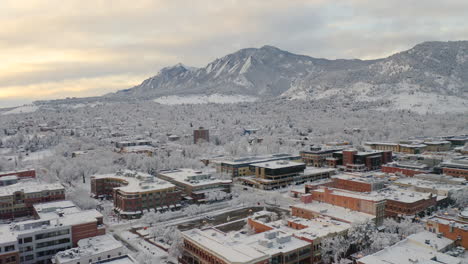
(29, 186)
(89, 247)
(429, 184)
(413, 250)
(278, 164)
(335, 212)
(255, 159)
(191, 177)
(350, 194)
(236, 247)
(137, 181)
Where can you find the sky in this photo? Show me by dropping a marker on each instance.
(74, 48)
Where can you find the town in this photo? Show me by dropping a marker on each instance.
(118, 192)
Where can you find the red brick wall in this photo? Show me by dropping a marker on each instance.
(351, 185)
(404, 171)
(456, 172)
(348, 156)
(355, 204)
(21, 174)
(454, 234)
(85, 231)
(257, 226)
(393, 208)
(7, 258)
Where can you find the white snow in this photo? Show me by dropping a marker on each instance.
(425, 102)
(22, 109)
(246, 65)
(204, 99)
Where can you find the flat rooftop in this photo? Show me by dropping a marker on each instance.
(429, 184)
(278, 164)
(29, 186)
(137, 181)
(336, 212)
(413, 250)
(200, 178)
(255, 159)
(90, 247)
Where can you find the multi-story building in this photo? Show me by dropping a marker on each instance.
(312, 230)
(9, 250)
(201, 134)
(438, 146)
(310, 209)
(452, 225)
(407, 169)
(211, 246)
(92, 250)
(136, 192)
(8, 180)
(317, 157)
(428, 186)
(244, 166)
(396, 147)
(422, 247)
(26, 173)
(282, 173)
(195, 184)
(56, 229)
(351, 160)
(357, 182)
(455, 167)
(17, 200)
(352, 200)
(404, 202)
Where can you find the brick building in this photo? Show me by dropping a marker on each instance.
(452, 225)
(318, 157)
(357, 182)
(26, 173)
(135, 192)
(59, 227)
(211, 246)
(195, 184)
(201, 134)
(405, 202)
(455, 167)
(407, 169)
(351, 160)
(368, 204)
(17, 200)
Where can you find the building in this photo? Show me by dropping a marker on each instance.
(136, 192)
(359, 202)
(404, 202)
(26, 173)
(195, 184)
(59, 227)
(211, 246)
(143, 149)
(9, 250)
(442, 179)
(455, 167)
(243, 166)
(310, 209)
(317, 157)
(281, 173)
(438, 146)
(92, 250)
(312, 230)
(427, 186)
(407, 169)
(351, 160)
(201, 134)
(423, 247)
(458, 141)
(452, 225)
(357, 182)
(17, 200)
(8, 180)
(132, 143)
(396, 147)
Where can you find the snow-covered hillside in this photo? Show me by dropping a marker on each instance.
(22, 109)
(435, 70)
(204, 99)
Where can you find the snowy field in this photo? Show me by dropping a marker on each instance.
(204, 99)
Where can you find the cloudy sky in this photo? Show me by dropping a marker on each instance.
(56, 48)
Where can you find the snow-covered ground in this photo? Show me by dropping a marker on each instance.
(22, 109)
(34, 156)
(431, 103)
(204, 99)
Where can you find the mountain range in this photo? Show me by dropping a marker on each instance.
(429, 73)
